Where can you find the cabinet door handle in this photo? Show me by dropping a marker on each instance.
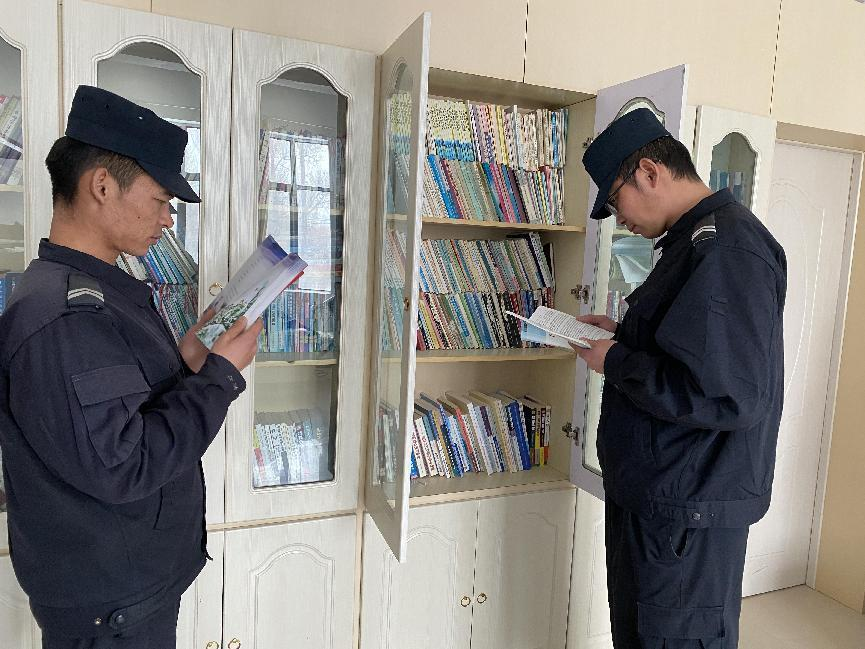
(213, 644)
(234, 644)
(465, 601)
(214, 290)
(482, 598)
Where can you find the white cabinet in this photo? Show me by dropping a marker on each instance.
(199, 624)
(18, 629)
(182, 71)
(291, 585)
(28, 127)
(491, 574)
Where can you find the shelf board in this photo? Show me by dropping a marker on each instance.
(12, 188)
(285, 359)
(492, 355)
(533, 227)
(426, 491)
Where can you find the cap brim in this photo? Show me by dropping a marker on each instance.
(600, 211)
(172, 182)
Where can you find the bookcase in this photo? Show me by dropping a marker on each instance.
(326, 149)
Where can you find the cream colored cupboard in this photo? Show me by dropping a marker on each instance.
(493, 573)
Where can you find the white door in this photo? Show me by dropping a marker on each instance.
(199, 625)
(664, 94)
(808, 215)
(301, 155)
(290, 585)
(18, 629)
(522, 571)
(402, 118)
(425, 601)
(28, 74)
(182, 71)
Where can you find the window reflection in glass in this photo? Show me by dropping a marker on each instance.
(301, 193)
(733, 164)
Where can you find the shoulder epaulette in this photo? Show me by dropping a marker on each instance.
(704, 230)
(83, 290)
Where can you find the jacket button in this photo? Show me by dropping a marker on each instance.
(120, 619)
(696, 516)
(97, 621)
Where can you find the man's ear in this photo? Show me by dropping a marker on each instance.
(651, 169)
(98, 184)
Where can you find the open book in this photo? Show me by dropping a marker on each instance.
(263, 276)
(551, 327)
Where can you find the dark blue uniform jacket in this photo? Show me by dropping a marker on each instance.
(102, 428)
(694, 385)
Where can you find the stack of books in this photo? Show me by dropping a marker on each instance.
(466, 287)
(479, 432)
(301, 321)
(173, 276)
(494, 163)
(290, 448)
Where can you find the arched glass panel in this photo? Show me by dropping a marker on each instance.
(733, 164)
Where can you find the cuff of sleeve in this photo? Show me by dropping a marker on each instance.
(613, 363)
(223, 372)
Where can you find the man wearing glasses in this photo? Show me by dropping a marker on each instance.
(692, 395)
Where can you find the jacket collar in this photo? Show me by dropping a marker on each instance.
(689, 219)
(134, 289)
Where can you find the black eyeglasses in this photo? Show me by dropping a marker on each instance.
(611, 199)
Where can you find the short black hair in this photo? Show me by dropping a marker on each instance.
(667, 151)
(69, 159)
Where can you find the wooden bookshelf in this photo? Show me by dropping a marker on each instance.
(285, 359)
(502, 225)
(492, 355)
(437, 489)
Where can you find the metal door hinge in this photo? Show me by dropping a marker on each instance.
(572, 432)
(581, 292)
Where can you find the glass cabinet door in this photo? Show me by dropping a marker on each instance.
(29, 104)
(181, 70)
(153, 76)
(301, 175)
(616, 261)
(735, 150)
(402, 126)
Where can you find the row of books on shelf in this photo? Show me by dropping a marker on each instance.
(479, 432)
(301, 321)
(518, 263)
(616, 305)
(11, 140)
(476, 320)
(520, 138)
(494, 163)
(7, 285)
(290, 447)
(481, 191)
(166, 262)
(178, 306)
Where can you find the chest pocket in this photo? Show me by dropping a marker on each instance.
(109, 397)
(646, 309)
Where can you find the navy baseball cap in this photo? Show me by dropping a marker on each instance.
(605, 155)
(101, 118)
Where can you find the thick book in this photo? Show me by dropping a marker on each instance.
(263, 276)
(556, 328)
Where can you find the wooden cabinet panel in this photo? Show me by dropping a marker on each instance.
(586, 46)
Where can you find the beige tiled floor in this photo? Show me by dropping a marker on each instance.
(799, 618)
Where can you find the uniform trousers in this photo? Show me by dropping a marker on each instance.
(671, 586)
(156, 631)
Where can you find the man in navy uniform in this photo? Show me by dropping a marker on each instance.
(693, 390)
(103, 418)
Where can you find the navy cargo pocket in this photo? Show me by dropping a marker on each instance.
(685, 628)
(109, 397)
